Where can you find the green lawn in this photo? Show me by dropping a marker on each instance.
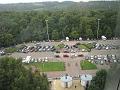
(82, 46)
(86, 65)
(49, 66)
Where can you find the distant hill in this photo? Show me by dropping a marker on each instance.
(52, 6)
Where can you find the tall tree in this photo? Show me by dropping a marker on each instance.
(13, 76)
(98, 82)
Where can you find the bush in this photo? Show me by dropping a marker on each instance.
(11, 50)
(60, 45)
(89, 45)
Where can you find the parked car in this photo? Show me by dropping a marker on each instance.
(113, 57)
(66, 51)
(2, 53)
(65, 55)
(80, 55)
(57, 56)
(57, 51)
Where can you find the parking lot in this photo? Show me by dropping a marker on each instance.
(71, 55)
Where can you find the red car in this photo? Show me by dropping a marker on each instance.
(65, 55)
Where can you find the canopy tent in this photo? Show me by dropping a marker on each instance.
(85, 79)
(66, 81)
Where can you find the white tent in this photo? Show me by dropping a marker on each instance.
(66, 81)
(85, 78)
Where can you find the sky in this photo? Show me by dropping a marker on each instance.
(27, 1)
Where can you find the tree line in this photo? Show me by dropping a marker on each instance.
(18, 27)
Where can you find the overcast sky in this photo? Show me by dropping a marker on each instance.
(25, 1)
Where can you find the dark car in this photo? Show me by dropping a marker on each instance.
(66, 51)
(57, 51)
(80, 55)
(57, 56)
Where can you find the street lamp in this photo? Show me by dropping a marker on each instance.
(47, 29)
(98, 27)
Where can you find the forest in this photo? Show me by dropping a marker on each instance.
(19, 27)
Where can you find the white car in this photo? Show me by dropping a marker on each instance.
(115, 61)
(91, 57)
(101, 62)
(32, 60)
(35, 60)
(83, 50)
(113, 56)
(99, 57)
(107, 48)
(105, 57)
(46, 60)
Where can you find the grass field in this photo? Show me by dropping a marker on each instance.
(86, 65)
(48, 66)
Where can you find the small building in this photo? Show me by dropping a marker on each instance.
(85, 79)
(66, 81)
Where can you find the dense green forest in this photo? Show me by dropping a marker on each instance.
(18, 27)
(76, 20)
(14, 76)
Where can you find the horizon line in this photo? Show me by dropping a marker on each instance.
(53, 1)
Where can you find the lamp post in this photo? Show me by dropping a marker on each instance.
(98, 27)
(47, 29)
